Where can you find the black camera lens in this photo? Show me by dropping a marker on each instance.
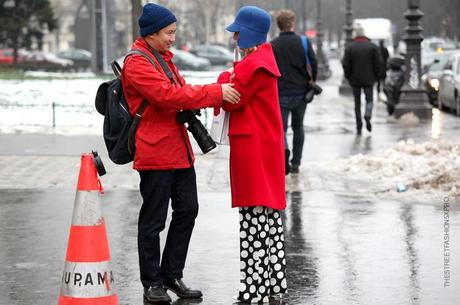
(199, 132)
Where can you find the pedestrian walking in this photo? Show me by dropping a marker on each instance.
(293, 84)
(257, 159)
(164, 157)
(381, 82)
(362, 66)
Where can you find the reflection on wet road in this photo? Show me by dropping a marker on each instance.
(340, 249)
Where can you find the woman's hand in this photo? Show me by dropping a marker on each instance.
(229, 94)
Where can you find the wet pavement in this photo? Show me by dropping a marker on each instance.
(342, 247)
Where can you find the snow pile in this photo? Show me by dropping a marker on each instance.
(432, 167)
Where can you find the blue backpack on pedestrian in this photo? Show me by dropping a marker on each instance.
(119, 127)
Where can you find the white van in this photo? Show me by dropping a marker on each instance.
(377, 29)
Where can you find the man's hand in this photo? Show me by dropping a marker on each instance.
(229, 94)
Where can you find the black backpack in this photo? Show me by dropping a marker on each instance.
(119, 127)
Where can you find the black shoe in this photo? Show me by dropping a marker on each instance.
(368, 125)
(287, 167)
(156, 295)
(294, 169)
(178, 287)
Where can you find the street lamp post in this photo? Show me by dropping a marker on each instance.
(345, 88)
(324, 72)
(413, 97)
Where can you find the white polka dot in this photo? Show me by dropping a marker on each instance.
(273, 259)
(242, 287)
(241, 217)
(257, 244)
(280, 222)
(276, 289)
(272, 231)
(263, 234)
(262, 218)
(254, 221)
(267, 283)
(266, 261)
(276, 215)
(272, 282)
(244, 254)
(249, 280)
(281, 253)
(243, 234)
(258, 210)
(271, 222)
(280, 230)
(242, 275)
(250, 262)
(276, 238)
(280, 275)
(266, 228)
(255, 276)
(248, 217)
(242, 265)
(279, 245)
(246, 296)
(261, 289)
(245, 244)
(284, 284)
(265, 274)
(250, 238)
(252, 289)
(251, 249)
(250, 271)
(277, 267)
(252, 230)
(254, 300)
(245, 225)
(273, 250)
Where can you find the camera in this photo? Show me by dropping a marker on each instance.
(199, 132)
(314, 90)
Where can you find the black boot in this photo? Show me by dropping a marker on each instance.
(287, 166)
(368, 124)
(156, 295)
(181, 290)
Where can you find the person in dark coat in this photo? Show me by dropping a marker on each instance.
(256, 159)
(293, 83)
(362, 66)
(385, 55)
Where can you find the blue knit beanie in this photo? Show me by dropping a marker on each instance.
(154, 17)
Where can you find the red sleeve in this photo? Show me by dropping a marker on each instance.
(246, 91)
(224, 77)
(156, 88)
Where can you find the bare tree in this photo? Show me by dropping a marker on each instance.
(209, 8)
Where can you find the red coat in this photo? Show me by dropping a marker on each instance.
(162, 142)
(256, 133)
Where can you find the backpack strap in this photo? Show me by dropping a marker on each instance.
(304, 41)
(144, 104)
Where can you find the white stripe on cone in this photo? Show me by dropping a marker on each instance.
(87, 280)
(87, 210)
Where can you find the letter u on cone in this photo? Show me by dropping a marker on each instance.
(87, 278)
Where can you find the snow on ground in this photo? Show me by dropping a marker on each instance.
(423, 168)
(26, 106)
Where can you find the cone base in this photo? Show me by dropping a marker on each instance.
(110, 300)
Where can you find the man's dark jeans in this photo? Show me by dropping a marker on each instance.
(368, 91)
(157, 187)
(296, 106)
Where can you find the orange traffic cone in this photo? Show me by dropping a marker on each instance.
(87, 278)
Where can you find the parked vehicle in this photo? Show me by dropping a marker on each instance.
(7, 56)
(449, 85)
(217, 55)
(377, 29)
(432, 73)
(188, 61)
(81, 58)
(46, 62)
(394, 82)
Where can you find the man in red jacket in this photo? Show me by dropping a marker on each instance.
(164, 156)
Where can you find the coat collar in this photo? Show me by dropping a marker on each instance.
(361, 39)
(140, 43)
(262, 58)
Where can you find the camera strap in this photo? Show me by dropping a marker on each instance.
(165, 67)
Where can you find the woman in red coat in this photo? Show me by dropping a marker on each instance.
(257, 159)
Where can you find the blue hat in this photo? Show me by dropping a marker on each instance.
(154, 17)
(253, 24)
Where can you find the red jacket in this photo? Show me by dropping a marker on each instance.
(161, 142)
(256, 133)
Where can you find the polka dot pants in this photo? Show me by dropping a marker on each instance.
(262, 257)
